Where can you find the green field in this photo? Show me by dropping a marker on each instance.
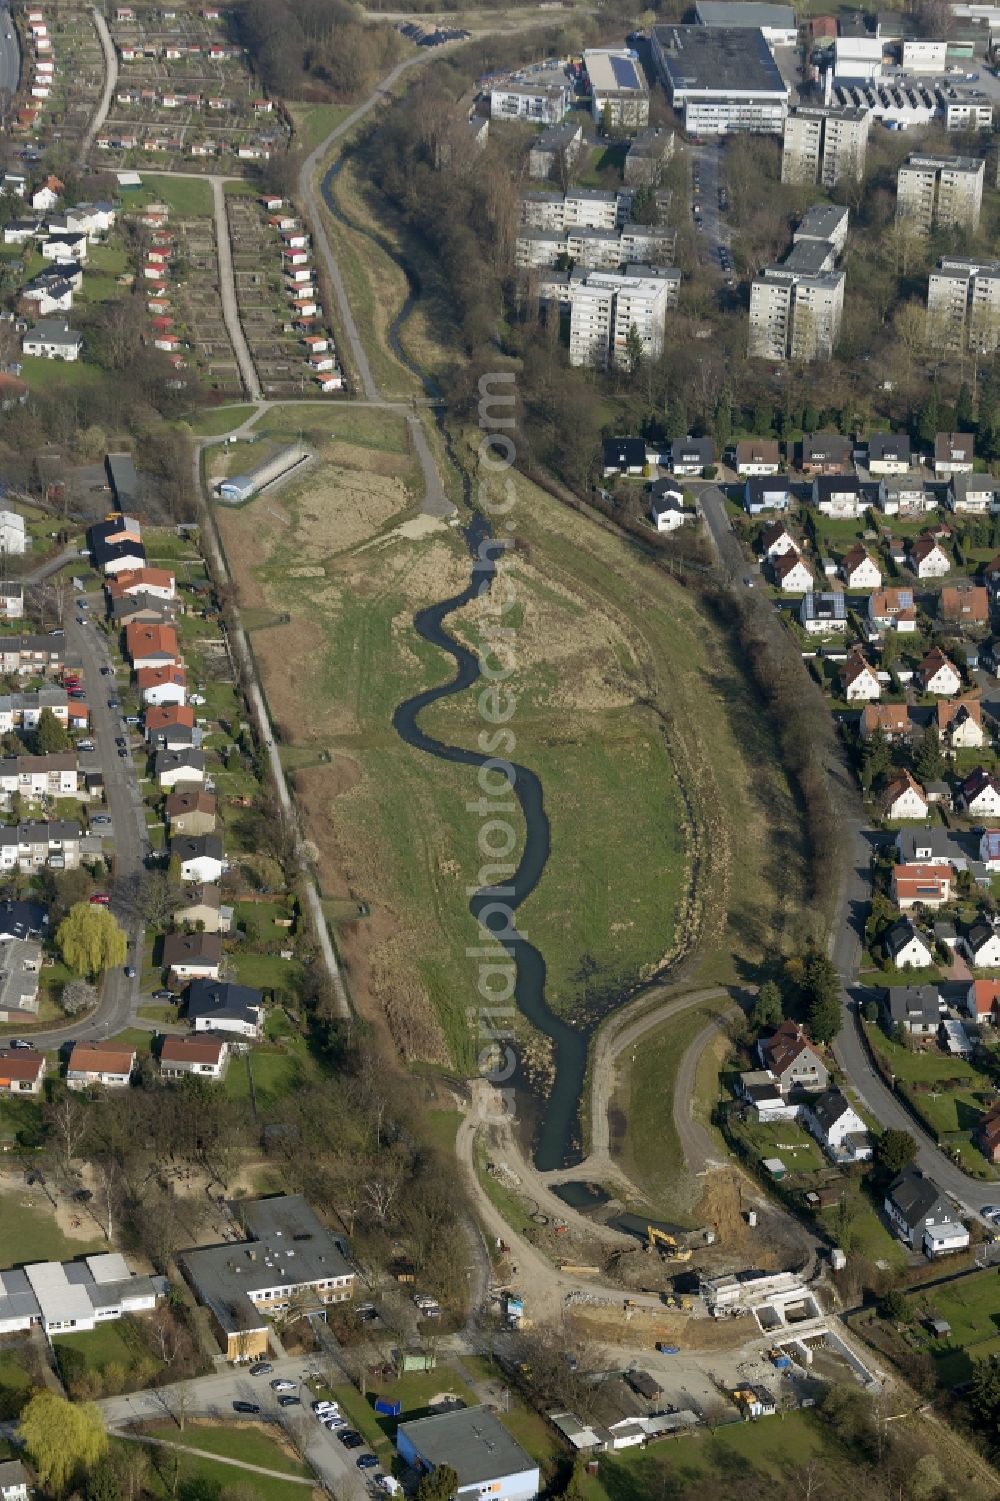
(215, 422)
(948, 1093)
(56, 377)
(15, 1385)
(314, 122)
(188, 197)
(246, 1441)
(788, 1140)
(28, 1233)
(971, 1305)
(113, 1344)
(365, 426)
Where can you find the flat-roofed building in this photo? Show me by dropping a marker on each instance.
(604, 307)
(555, 150)
(963, 305)
(545, 103)
(577, 208)
(619, 99)
(777, 22)
(64, 1296)
(796, 307)
(825, 144)
(722, 79)
(647, 156)
(473, 1442)
(941, 192)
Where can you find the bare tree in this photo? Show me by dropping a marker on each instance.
(67, 1117)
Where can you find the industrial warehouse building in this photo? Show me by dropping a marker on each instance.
(723, 79)
(472, 1440)
(239, 487)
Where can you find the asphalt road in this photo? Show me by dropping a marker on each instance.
(120, 997)
(213, 1396)
(10, 54)
(227, 291)
(848, 926)
(110, 82)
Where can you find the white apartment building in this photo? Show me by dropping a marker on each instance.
(796, 308)
(579, 208)
(963, 304)
(595, 249)
(545, 104)
(604, 306)
(619, 99)
(825, 144)
(723, 79)
(941, 191)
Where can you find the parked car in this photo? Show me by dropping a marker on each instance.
(367, 1462)
(261, 1368)
(130, 971)
(100, 899)
(250, 1407)
(289, 1401)
(279, 1384)
(168, 995)
(100, 820)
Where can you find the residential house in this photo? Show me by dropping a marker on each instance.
(53, 339)
(906, 947)
(821, 614)
(21, 1071)
(893, 609)
(967, 604)
(623, 456)
(919, 885)
(13, 536)
(904, 798)
(160, 583)
(191, 812)
(858, 679)
(937, 674)
(989, 849)
(118, 557)
(982, 1001)
(40, 776)
(14, 1484)
(192, 956)
(48, 194)
(765, 493)
(888, 453)
(162, 685)
(667, 510)
(979, 794)
(200, 855)
(986, 1134)
(981, 943)
(776, 540)
(838, 495)
(11, 599)
(838, 1127)
(960, 723)
(107, 1063)
(145, 608)
(859, 569)
(915, 1008)
(930, 847)
(793, 1059)
(287, 1259)
(205, 1056)
(791, 573)
(151, 645)
(891, 720)
(922, 1217)
(31, 846)
(953, 454)
(758, 456)
(30, 656)
(927, 558)
(972, 494)
(763, 1094)
(691, 456)
(220, 1006)
(203, 908)
(173, 728)
(825, 453)
(174, 768)
(904, 494)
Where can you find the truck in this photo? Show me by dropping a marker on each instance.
(513, 1309)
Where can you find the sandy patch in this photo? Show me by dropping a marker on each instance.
(290, 659)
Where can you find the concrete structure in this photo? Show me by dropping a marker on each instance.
(646, 158)
(794, 314)
(546, 104)
(722, 79)
(904, 101)
(60, 1296)
(825, 144)
(963, 305)
(555, 150)
(288, 1258)
(619, 99)
(923, 56)
(941, 191)
(577, 208)
(487, 1459)
(777, 22)
(605, 306)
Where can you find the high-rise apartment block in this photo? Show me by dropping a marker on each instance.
(963, 305)
(941, 191)
(796, 308)
(825, 144)
(605, 306)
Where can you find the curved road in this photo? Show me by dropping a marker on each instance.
(110, 82)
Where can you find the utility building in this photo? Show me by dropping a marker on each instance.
(825, 144)
(941, 192)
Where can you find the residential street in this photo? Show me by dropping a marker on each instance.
(10, 55)
(110, 83)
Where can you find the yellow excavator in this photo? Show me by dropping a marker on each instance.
(671, 1250)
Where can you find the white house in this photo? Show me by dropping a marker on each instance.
(52, 339)
(200, 857)
(979, 794)
(220, 1006)
(205, 1056)
(904, 798)
(13, 535)
(776, 540)
(928, 558)
(193, 956)
(838, 495)
(838, 1127)
(982, 946)
(792, 574)
(106, 1063)
(972, 494)
(937, 674)
(47, 196)
(859, 679)
(960, 724)
(907, 948)
(666, 508)
(859, 569)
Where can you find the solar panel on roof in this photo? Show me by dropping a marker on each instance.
(624, 71)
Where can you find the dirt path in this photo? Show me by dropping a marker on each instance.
(700, 1150)
(110, 82)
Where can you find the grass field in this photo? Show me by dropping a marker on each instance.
(314, 122)
(56, 377)
(245, 1441)
(103, 1346)
(948, 1093)
(188, 197)
(28, 1232)
(651, 1153)
(15, 1385)
(971, 1305)
(214, 422)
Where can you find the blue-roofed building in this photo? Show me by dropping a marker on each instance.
(619, 99)
(989, 849)
(822, 613)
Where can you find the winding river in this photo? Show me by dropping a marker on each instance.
(557, 1131)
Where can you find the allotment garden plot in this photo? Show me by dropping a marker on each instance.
(61, 78)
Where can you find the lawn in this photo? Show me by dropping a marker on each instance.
(651, 1152)
(15, 1385)
(29, 1233)
(57, 377)
(366, 427)
(276, 1072)
(245, 1441)
(267, 972)
(215, 422)
(187, 197)
(787, 1140)
(106, 1345)
(314, 122)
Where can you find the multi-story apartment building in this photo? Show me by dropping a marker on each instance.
(825, 144)
(595, 249)
(941, 191)
(963, 305)
(647, 156)
(722, 78)
(605, 306)
(826, 222)
(619, 99)
(40, 776)
(555, 150)
(578, 208)
(544, 103)
(796, 308)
